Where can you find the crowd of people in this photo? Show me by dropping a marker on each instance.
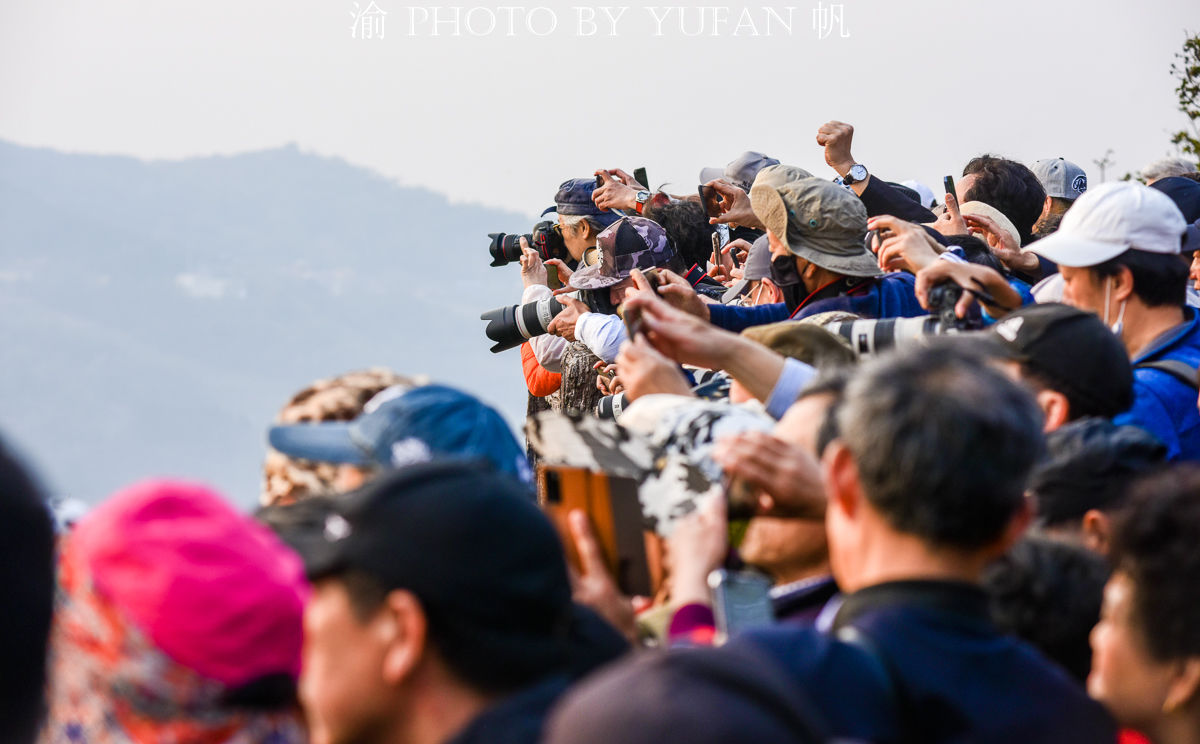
(952, 443)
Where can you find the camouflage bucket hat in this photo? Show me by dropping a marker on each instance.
(628, 244)
(818, 221)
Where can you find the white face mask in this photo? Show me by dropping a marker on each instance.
(1119, 326)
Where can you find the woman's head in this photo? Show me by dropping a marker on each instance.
(1146, 647)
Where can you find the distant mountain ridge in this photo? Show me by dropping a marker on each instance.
(155, 315)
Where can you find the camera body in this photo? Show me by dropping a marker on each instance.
(546, 239)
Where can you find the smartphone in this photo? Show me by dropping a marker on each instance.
(633, 316)
(948, 182)
(740, 600)
(710, 199)
(639, 175)
(552, 280)
(612, 506)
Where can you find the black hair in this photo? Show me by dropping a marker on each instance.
(1159, 279)
(976, 251)
(943, 443)
(686, 224)
(1048, 593)
(27, 576)
(1079, 406)
(1154, 544)
(1009, 187)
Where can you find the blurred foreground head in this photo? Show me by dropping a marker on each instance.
(27, 575)
(176, 619)
(342, 398)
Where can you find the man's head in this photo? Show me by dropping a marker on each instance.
(741, 171)
(401, 426)
(816, 230)
(934, 450)
(1167, 168)
(1074, 364)
(579, 219)
(440, 581)
(793, 549)
(1086, 475)
(1008, 186)
(342, 398)
(628, 244)
(1119, 245)
(1063, 181)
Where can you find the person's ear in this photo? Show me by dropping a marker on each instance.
(1185, 687)
(1056, 409)
(1122, 284)
(402, 627)
(842, 484)
(771, 290)
(1097, 531)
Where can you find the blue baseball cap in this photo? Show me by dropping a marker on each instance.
(403, 426)
(574, 197)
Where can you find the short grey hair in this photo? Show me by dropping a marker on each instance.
(1168, 167)
(943, 443)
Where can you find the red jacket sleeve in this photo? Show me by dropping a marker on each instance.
(540, 381)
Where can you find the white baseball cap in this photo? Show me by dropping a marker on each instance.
(1111, 219)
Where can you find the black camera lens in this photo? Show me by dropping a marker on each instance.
(506, 248)
(610, 406)
(512, 325)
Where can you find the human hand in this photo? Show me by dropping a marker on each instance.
(645, 371)
(951, 220)
(836, 137)
(723, 269)
(1003, 244)
(613, 194)
(787, 476)
(593, 587)
(629, 180)
(970, 277)
(533, 271)
(679, 335)
(564, 323)
(606, 378)
(697, 546)
(564, 271)
(675, 290)
(904, 247)
(735, 207)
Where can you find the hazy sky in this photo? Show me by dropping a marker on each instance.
(501, 119)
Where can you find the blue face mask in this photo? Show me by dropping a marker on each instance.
(787, 278)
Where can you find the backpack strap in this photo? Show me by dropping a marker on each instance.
(1182, 371)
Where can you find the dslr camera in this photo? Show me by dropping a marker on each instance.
(870, 338)
(546, 239)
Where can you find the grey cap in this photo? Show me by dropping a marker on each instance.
(1061, 179)
(740, 171)
(758, 260)
(818, 221)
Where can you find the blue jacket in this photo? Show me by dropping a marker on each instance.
(1162, 404)
(959, 678)
(889, 296)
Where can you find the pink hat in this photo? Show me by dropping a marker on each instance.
(213, 589)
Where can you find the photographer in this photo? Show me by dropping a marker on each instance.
(580, 221)
(631, 243)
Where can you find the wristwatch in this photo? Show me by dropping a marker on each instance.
(640, 200)
(857, 173)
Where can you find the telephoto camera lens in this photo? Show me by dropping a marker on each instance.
(506, 248)
(611, 406)
(513, 325)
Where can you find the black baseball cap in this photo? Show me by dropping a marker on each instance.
(1072, 350)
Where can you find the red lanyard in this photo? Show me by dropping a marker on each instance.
(812, 294)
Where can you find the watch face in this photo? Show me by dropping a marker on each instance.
(858, 172)
(643, 196)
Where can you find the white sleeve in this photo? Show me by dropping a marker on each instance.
(546, 348)
(603, 334)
